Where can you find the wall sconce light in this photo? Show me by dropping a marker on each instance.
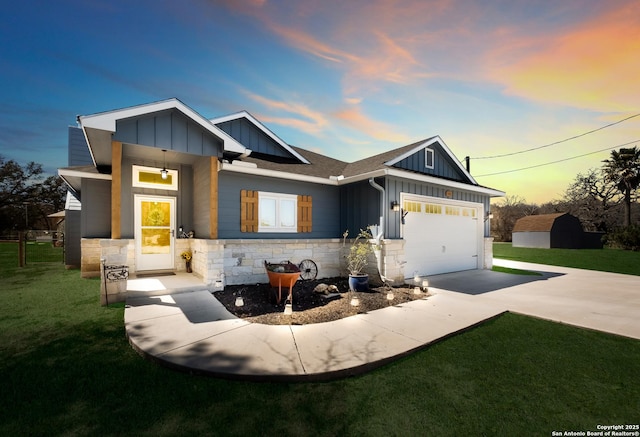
(395, 206)
(488, 216)
(164, 173)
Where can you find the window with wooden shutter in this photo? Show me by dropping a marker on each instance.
(248, 211)
(304, 214)
(274, 212)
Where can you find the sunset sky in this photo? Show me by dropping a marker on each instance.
(348, 79)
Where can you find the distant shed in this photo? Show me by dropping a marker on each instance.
(562, 230)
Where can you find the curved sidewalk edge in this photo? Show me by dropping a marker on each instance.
(195, 333)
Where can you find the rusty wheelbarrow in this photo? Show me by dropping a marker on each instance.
(284, 274)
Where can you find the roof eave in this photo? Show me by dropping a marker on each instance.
(263, 128)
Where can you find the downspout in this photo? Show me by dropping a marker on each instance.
(380, 235)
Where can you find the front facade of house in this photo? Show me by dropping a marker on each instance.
(147, 175)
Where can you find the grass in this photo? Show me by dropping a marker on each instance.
(67, 369)
(515, 271)
(604, 260)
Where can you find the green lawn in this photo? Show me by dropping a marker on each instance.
(605, 260)
(67, 369)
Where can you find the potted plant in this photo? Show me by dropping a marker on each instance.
(357, 260)
(186, 256)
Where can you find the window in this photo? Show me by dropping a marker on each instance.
(431, 208)
(150, 177)
(409, 206)
(277, 212)
(428, 158)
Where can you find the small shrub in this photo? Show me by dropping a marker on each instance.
(624, 238)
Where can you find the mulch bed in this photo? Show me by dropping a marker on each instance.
(309, 306)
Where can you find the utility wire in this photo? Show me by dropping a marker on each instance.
(559, 142)
(555, 162)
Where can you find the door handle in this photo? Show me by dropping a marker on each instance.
(173, 232)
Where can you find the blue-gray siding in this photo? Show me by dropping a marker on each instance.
(169, 130)
(78, 151)
(326, 205)
(72, 226)
(253, 138)
(443, 166)
(96, 209)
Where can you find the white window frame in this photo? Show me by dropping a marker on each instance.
(278, 198)
(429, 153)
(135, 181)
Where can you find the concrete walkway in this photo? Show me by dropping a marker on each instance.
(193, 331)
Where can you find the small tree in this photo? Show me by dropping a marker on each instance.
(623, 169)
(358, 256)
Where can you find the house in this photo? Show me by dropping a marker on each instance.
(561, 230)
(146, 175)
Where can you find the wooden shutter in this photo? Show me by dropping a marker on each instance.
(248, 211)
(304, 214)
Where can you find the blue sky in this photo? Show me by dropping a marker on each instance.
(346, 79)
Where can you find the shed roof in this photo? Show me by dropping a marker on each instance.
(537, 223)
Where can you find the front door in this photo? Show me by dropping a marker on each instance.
(154, 232)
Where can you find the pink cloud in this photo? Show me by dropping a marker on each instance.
(594, 65)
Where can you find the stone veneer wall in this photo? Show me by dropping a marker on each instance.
(236, 262)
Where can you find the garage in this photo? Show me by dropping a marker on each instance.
(441, 235)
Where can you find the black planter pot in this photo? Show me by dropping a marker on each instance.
(359, 282)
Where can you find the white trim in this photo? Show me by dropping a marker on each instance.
(276, 174)
(107, 120)
(63, 172)
(427, 143)
(262, 127)
(364, 176)
(135, 182)
(429, 151)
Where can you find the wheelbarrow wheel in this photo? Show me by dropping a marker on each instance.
(308, 270)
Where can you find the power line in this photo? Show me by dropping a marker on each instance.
(555, 162)
(559, 142)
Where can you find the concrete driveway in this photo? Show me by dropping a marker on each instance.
(608, 302)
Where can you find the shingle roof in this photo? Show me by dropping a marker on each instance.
(537, 223)
(320, 165)
(324, 166)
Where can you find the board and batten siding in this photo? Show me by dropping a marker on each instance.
(78, 151)
(360, 204)
(442, 164)
(325, 198)
(171, 130)
(247, 134)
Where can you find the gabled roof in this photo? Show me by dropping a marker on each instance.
(536, 223)
(106, 122)
(246, 115)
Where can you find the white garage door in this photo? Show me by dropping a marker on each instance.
(440, 236)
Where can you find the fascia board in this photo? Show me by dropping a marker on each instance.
(277, 174)
(107, 120)
(262, 127)
(445, 183)
(426, 144)
(64, 172)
